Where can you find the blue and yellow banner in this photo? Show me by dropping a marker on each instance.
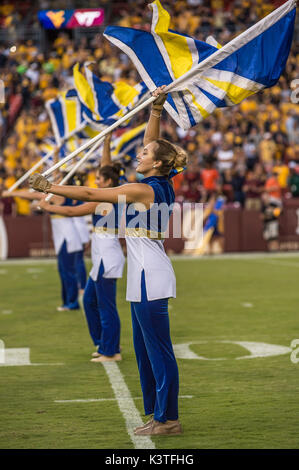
(103, 102)
(249, 63)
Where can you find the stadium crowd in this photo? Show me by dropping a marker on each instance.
(249, 152)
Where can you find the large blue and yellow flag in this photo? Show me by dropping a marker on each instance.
(103, 102)
(252, 61)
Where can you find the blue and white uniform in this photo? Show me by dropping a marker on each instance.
(100, 293)
(151, 281)
(67, 244)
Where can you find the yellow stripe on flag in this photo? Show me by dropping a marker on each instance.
(126, 136)
(176, 46)
(125, 94)
(200, 108)
(235, 93)
(84, 89)
(90, 132)
(70, 107)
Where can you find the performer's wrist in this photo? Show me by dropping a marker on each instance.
(48, 187)
(157, 115)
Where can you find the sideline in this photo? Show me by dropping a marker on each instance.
(225, 256)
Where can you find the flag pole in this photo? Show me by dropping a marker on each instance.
(77, 166)
(95, 139)
(45, 158)
(207, 63)
(31, 170)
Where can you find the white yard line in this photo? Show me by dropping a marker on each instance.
(224, 256)
(127, 406)
(35, 364)
(92, 400)
(27, 261)
(35, 270)
(280, 263)
(236, 256)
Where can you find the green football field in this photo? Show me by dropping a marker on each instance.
(232, 325)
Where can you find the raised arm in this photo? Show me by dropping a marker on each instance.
(152, 131)
(106, 156)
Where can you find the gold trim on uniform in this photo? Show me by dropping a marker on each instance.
(144, 233)
(113, 231)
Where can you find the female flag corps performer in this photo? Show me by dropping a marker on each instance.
(99, 298)
(151, 280)
(67, 245)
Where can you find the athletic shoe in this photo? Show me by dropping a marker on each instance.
(63, 308)
(158, 428)
(102, 358)
(96, 354)
(146, 425)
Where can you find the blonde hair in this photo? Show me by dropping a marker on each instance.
(172, 156)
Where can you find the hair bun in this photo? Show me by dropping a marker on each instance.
(181, 158)
(117, 167)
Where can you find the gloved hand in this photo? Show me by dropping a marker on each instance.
(39, 183)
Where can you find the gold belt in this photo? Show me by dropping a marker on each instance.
(144, 233)
(112, 231)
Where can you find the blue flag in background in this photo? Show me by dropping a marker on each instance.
(104, 102)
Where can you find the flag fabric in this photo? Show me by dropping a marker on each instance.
(252, 61)
(103, 102)
(122, 148)
(65, 116)
(49, 145)
(127, 144)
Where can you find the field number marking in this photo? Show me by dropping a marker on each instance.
(183, 351)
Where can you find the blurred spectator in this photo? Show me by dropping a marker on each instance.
(237, 182)
(273, 189)
(225, 157)
(267, 149)
(234, 150)
(253, 188)
(282, 171)
(251, 154)
(293, 180)
(209, 177)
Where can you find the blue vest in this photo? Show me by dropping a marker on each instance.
(111, 220)
(156, 218)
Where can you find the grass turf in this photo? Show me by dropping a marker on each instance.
(235, 404)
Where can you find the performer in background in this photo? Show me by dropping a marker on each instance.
(99, 298)
(151, 279)
(81, 225)
(67, 245)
